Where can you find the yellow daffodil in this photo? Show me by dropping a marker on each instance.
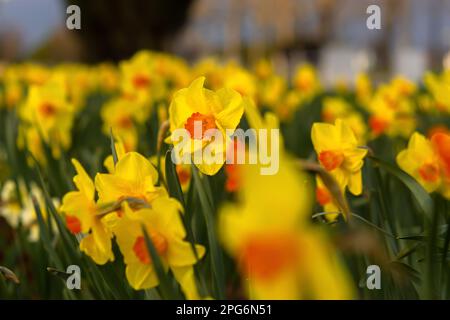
(279, 255)
(82, 216)
(338, 152)
(392, 112)
(140, 81)
(47, 107)
(338, 108)
(220, 110)
(326, 200)
(239, 80)
(428, 161)
(120, 115)
(165, 229)
(133, 177)
(306, 81)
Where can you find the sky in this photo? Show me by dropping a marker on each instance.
(34, 19)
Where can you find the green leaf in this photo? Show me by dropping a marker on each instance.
(215, 250)
(113, 147)
(173, 184)
(423, 198)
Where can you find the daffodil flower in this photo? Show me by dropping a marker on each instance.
(338, 152)
(133, 177)
(81, 214)
(428, 162)
(220, 110)
(165, 228)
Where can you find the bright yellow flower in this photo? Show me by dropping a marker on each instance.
(403, 86)
(278, 253)
(81, 213)
(326, 200)
(338, 152)
(133, 177)
(306, 81)
(263, 69)
(428, 162)
(140, 82)
(47, 107)
(338, 108)
(29, 138)
(220, 110)
(271, 91)
(289, 103)
(240, 80)
(211, 70)
(108, 77)
(165, 228)
(391, 113)
(120, 115)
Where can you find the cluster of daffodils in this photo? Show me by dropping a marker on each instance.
(262, 223)
(120, 205)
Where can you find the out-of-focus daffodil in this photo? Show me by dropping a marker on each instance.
(338, 108)
(306, 81)
(338, 152)
(326, 200)
(120, 115)
(48, 109)
(428, 161)
(278, 253)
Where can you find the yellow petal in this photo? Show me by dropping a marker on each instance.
(82, 180)
(325, 136)
(141, 276)
(185, 277)
(233, 108)
(136, 168)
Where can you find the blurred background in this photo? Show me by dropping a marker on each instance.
(332, 34)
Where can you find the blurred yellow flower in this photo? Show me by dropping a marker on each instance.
(338, 108)
(326, 200)
(48, 109)
(120, 115)
(279, 255)
(306, 81)
(338, 152)
(428, 162)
